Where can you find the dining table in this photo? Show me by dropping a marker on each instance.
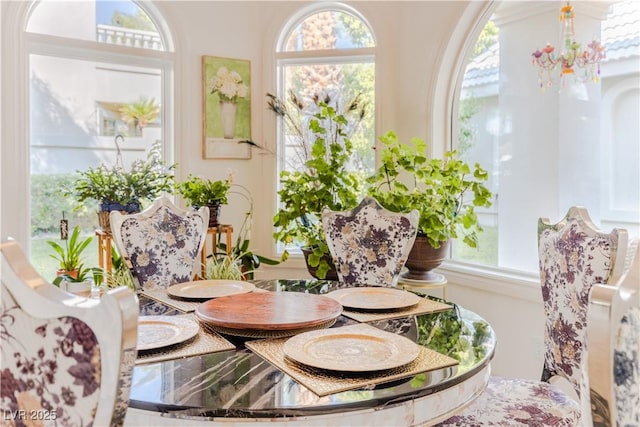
(241, 385)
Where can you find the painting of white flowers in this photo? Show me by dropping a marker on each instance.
(226, 107)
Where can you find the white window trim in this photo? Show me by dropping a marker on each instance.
(15, 107)
(517, 284)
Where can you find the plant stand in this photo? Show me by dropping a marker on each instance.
(104, 251)
(424, 285)
(213, 232)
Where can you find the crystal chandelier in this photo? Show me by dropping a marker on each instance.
(572, 56)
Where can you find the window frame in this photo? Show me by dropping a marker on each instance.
(16, 94)
(505, 281)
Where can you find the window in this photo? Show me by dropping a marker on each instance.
(328, 51)
(89, 84)
(548, 150)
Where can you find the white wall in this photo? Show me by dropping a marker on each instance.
(412, 39)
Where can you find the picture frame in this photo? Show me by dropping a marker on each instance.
(226, 107)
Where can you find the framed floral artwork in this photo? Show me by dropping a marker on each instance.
(226, 84)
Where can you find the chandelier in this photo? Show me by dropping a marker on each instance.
(572, 56)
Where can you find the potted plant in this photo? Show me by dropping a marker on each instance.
(444, 191)
(241, 252)
(325, 180)
(69, 255)
(115, 188)
(83, 283)
(205, 192)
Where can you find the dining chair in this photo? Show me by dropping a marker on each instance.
(369, 244)
(162, 244)
(573, 256)
(66, 359)
(613, 337)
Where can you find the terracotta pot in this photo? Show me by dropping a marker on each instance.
(423, 258)
(70, 273)
(332, 274)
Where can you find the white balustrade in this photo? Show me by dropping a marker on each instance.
(128, 37)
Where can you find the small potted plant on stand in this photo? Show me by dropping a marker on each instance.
(86, 282)
(444, 191)
(116, 188)
(205, 192)
(72, 276)
(69, 255)
(325, 180)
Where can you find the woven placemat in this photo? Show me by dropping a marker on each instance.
(425, 306)
(206, 341)
(323, 382)
(160, 295)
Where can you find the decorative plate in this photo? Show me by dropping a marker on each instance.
(207, 289)
(161, 331)
(269, 311)
(346, 350)
(374, 298)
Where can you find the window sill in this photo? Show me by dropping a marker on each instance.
(525, 286)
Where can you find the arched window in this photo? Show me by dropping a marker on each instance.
(328, 51)
(96, 71)
(547, 150)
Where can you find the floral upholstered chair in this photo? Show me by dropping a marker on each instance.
(66, 360)
(573, 256)
(369, 244)
(613, 335)
(161, 244)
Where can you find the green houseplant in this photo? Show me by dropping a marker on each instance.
(116, 188)
(324, 181)
(69, 256)
(241, 252)
(445, 192)
(205, 192)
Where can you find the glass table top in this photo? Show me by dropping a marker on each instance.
(241, 383)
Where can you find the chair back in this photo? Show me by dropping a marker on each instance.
(66, 358)
(161, 244)
(573, 255)
(369, 244)
(614, 350)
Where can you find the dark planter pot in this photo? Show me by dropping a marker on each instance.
(332, 274)
(106, 207)
(423, 258)
(214, 215)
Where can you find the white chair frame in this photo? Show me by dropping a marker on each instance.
(607, 305)
(113, 319)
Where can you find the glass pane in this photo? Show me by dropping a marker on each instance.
(576, 149)
(116, 22)
(341, 84)
(77, 108)
(329, 30)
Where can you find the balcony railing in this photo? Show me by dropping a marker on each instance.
(128, 37)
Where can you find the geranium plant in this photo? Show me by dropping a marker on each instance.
(228, 85)
(444, 191)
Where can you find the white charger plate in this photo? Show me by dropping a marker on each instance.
(374, 298)
(207, 289)
(347, 350)
(162, 331)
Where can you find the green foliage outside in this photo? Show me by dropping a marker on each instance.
(139, 21)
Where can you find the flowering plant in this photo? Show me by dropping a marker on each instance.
(228, 85)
